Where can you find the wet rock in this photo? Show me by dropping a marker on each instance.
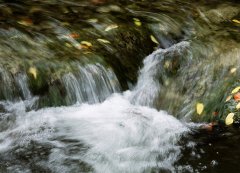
(222, 13)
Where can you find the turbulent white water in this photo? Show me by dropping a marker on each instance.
(115, 136)
(148, 85)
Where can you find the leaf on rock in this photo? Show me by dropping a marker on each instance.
(236, 21)
(93, 20)
(26, 22)
(103, 41)
(235, 90)
(137, 22)
(86, 43)
(238, 106)
(229, 119)
(237, 96)
(199, 108)
(68, 45)
(33, 71)
(111, 27)
(228, 98)
(74, 35)
(154, 39)
(233, 70)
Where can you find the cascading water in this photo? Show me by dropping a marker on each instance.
(153, 73)
(113, 136)
(92, 84)
(65, 72)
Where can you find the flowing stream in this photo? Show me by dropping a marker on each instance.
(105, 86)
(113, 136)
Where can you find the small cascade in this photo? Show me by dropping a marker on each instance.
(153, 73)
(22, 83)
(6, 85)
(113, 136)
(14, 87)
(92, 84)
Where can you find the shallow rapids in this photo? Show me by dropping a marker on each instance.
(114, 136)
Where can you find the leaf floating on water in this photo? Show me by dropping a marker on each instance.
(235, 90)
(110, 27)
(236, 21)
(154, 39)
(137, 22)
(238, 106)
(228, 98)
(199, 108)
(229, 119)
(33, 71)
(103, 41)
(86, 43)
(237, 96)
(26, 22)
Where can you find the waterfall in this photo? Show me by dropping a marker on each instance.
(92, 84)
(117, 135)
(153, 72)
(22, 83)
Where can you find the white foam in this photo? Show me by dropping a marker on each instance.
(122, 137)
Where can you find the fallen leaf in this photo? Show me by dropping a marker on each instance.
(233, 70)
(167, 64)
(228, 98)
(238, 106)
(237, 96)
(229, 119)
(33, 71)
(103, 40)
(154, 39)
(110, 27)
(86, 43)
(25, 22)
(74, 35)
(92, 20)
(235, 90)
(137, 22)
(199, 108)
(208, 127)
(68, 45)
(236, 21)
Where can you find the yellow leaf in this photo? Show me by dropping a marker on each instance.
(103, 40)
(33, 71)
(199, 108)
(68, 45)
(229, 119)
(238, 106)
(110, 27)
(167, 64)
(137, 22)
(235, 90)
(233, 70)
(86, 43)
(236, 21)
(228, 98)
(26, 22)
(154, 39)
(92, 20)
